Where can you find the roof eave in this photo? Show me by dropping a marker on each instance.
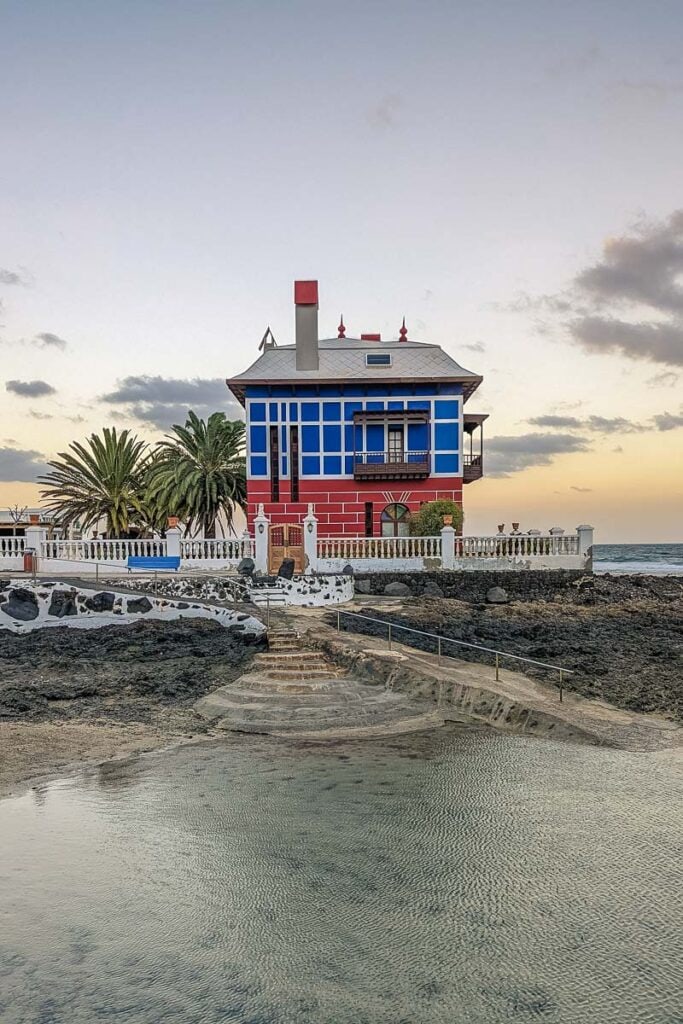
(238, 385)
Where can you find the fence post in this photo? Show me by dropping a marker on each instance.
(35, 537)
(561, 685)
(261, 540)
(173, 542)
(447, 547)
(310, 542)
(585, 534)
(389, 636)
(497, 667)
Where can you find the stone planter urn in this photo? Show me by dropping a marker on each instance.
(555, 531)
(501, 529)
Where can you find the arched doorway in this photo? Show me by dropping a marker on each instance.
(396, 520)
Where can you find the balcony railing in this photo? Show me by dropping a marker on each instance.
(472, 468)
(394, 465)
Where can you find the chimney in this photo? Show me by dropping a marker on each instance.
(371, 337)
(306, 303)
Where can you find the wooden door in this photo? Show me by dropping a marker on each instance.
(286, 541)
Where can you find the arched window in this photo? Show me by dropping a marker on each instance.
(395, 521)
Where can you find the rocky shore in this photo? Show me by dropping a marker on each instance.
(70, 695)
(621, 636)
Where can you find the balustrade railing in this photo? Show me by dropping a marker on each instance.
(219, 549)
(12, 547)
(102, 550)
(520, 546)
(348, 548)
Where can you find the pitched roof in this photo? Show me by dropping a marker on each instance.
(344, 359)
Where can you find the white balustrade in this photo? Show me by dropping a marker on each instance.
(12, 547)
(218, 549)
(516, 546)
(101, 550)
(385, 548)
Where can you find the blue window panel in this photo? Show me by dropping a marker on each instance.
(350, 408)
(331, 390)
(349, 438)
(259, 465)
(256, 392)
(375, 406)
(306, 390)
(272, 412)
(331, 439)
(449, 389)
(348, 464)
(310, 412)
(332, 412)
(294, 411)
(395, 406)
(283, 411)
(374, 437)
(449, 410)
(377, 389)
(310, 465)
(353, 391)
(257, 439)
(257, 412)
(446, 437)
(283, 439)
(418, 437)
(419, 405)
(284, 465)
(423, 389)
(332, 465)
(446, 463)
(310, 439)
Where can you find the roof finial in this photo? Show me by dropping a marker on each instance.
(341, 328)
(267, 341)
(404, 331)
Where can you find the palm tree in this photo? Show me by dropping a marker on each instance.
(199, 471)
(100, 479)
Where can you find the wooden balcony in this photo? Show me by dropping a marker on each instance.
(472, 468)
(390, 465)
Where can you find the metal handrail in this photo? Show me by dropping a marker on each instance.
(461, 643)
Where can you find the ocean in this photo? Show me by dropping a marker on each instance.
(660, 559)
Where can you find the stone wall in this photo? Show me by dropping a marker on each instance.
(524, 585)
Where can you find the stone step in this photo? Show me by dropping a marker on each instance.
(290, 657)
(294, 674)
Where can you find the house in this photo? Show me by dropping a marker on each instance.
(363, 429)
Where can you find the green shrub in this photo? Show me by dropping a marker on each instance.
(428, 522)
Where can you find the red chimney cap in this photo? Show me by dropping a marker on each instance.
(306, 293)
(371, 337)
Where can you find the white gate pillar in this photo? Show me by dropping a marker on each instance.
(261, 540)
(173, 534)
(35, 537)
(447, 547)
(585, 534)
(310, 542)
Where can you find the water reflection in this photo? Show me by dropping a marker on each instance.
(460, 877)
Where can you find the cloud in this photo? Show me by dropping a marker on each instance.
(19, 465)
(668, 420)
(581, 490)
(30, 388)
(48, 340)
(657, 342)
(40, 415)
(506, 454)
(384, 114)
(555, 421)
(476, 346)
(629, 302)
(595, 424)
(11, 277)
(164, 401)
(667, 379)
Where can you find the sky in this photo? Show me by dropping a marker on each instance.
(506, 174)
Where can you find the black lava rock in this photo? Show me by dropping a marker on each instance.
(139, 605)
(286, 570)
(22, 605)
(246, 567)
(62, 602)
(102, 602)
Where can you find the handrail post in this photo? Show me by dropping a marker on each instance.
(338, 621)
(389, 636)
(97, 572)
(497, 667)
(268, 610)
(438, 649)
(561, 685)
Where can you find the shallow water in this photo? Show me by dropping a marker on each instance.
(464, 876)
